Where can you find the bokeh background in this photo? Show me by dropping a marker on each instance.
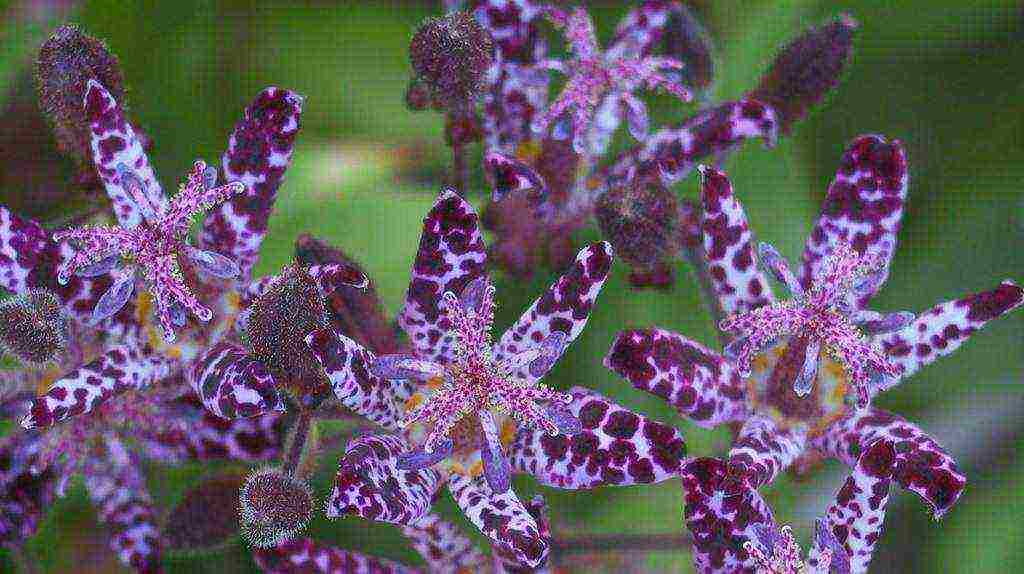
(943, 76)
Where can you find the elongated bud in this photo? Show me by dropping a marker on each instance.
(640, 220)
(33, 327)
(451, 55)
(277, 324)
(275, 507)
(688, 41)
(806, 70)
(66, 62)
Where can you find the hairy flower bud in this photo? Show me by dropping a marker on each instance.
(451, 54)
(687, 41)
(806, 69)
(275, 507)
(66, 62)
(33, 327)
(276, 328)
(641, 220)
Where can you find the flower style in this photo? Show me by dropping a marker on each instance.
(606, 80)
(861, 216)
(116, 393)
(442, 391)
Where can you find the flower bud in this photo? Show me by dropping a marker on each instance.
(451, 55)
(33, 327)
(640, 220)
(276, 327)
(275, 507)
(806, 69)
(67, 60)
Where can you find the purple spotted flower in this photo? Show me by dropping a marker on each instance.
(117, 393)
(605, 80)
(471, 412)
(844, 264)
(549, 183)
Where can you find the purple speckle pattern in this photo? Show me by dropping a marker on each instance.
(259, 152)
(82, 390)
(232, 384)
(451, 254)
(764, 449)
(616, 446)
(370, 485)
(307, 556)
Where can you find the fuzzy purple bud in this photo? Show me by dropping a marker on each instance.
(806, 70)
(67, 60)
(640, 219)
(278, 322)
(452, 54)
(275, 507)
(33, 327)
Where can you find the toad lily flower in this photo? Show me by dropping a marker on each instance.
(152, 231)
(115, 396)
(605, 79)
(472, 413)
(845, 263)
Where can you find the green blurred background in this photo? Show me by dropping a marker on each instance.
(944, 76)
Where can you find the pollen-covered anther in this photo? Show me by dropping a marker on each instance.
(274, 506)
(825, 316)
(154, 249)
(33, 327)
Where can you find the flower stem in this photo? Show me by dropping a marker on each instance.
(296, 445)
(460, 170)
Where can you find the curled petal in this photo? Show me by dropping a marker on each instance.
(370, 484)
(445, 549)
(508, 175)
(215, 264)
(942, 329)
(419, 457)
(115, 144)
(863, 208)
(308, 556)
(335, 275)
(614, 446)
(921, 465)
(698, 382)
(763, 449)
(404, 366)
(450, 256)
(350, 369)
(497, 470)
(563, 308)
(259, 152)
(739, 284)
(776, 264)
(114, 299)
(117, 488)
(636, 116)
(720, 513)
(83, 390)
(502, 518)
(232, 384)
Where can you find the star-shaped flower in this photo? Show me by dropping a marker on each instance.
(858, 224)
(605, 79)
(443, 391)
(115, 396)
